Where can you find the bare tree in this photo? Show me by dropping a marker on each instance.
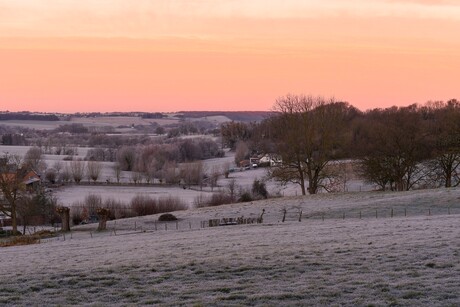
(65, 175)
(308, 133)
(117, 171)
(232, 188)
(57, 166)
(11, 186)
(51, 175)
(170, 173)
(136, 177)
(192, 173)
(214, 175)
(77, 167)
(126, 157)
(445, 140)
(392, 146)
(94, 170)
(226, 169)
(33, 159)
(241, 152)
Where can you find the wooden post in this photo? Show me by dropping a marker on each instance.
(376, 214)
(166, 226)
(360, 215)
(391, 212)
(429, 211)
(135, 226)
(190, 225)
(284, 215)
(155, 225)
(300, 216)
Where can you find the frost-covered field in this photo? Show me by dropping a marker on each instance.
(243, 179)
(413, 260)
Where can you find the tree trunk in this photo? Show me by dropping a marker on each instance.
(448, 178)
(14, 220)
(103, 215)
(64, 213)
(66, 221)
(102, 223)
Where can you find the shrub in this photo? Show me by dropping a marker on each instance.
(167, 217)
(169, 204)
(76, 213)
(144, 205)
(118, 209)
(245, 197)
(92, 202)
(51, 175)
(259, 190)
(216, 199)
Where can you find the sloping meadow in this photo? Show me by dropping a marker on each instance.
(404, 260)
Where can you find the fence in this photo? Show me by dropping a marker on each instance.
(284, 216)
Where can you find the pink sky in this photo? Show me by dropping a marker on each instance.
(158, 55)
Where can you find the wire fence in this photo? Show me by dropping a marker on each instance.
(284, 216)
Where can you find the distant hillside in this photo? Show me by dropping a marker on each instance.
(27, 116)
(242, 116)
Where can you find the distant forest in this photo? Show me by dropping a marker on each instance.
(27, 116)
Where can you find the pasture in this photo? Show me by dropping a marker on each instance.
(410, 260)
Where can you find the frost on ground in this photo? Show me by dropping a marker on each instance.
(412, 260)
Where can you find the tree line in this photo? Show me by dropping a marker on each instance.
(396, 148)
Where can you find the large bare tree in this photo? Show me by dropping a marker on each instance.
(308, 134)
(392, 145)
(11, 186)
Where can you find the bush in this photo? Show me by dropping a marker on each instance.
(20, 240)
(144, 205)
(259, 190)
(167, 217)
(8, 233)
(118, 209)
(51, 175)
(215, 200)
(245, 197)
(76, 213)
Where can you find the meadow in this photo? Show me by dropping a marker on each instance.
(406, 260)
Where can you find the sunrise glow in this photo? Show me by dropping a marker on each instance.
(159, 55)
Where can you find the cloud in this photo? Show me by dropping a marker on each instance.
(200, 18)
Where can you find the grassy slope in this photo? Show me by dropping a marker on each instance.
(400, 261)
